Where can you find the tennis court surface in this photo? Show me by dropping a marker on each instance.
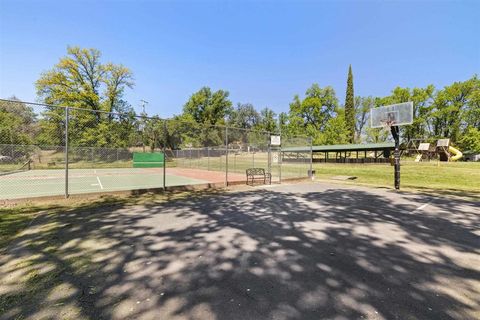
(300, 251)
(36, 183)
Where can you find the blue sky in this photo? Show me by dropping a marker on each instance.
(263, 52)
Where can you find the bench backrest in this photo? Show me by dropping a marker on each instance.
(255, 171)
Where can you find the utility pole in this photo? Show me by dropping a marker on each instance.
(144, 102)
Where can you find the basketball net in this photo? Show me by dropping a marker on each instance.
(387, 125)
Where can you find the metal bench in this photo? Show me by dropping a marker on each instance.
(254, 174)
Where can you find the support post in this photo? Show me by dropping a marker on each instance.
(66, 151)
(164, 169)
(165, 156)
(226, 156)
(280, 156)
(396, 136)
(269, 157)
(311, 159)
(279, 150)
(253, 157)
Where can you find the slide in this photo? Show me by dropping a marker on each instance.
(457, 154)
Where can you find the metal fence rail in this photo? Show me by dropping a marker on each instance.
(71, 150)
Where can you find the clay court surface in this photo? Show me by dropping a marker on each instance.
(300, 251)
(37, 183)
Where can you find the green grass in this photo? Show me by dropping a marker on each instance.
(13, 220)
(441, 176)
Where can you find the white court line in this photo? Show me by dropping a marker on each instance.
(423, 206)
(99, 183)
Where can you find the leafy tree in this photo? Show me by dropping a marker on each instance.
(10, 129)
(336, 131)
(207, 107)
(244, 116)
(310, 115)
(377, 135)
(350, 107)
(155, 133)
(471, 140)
(472, 112)
(81, 80)
(455, 108)
(18, 128)
(362, 112)
(18, 122)
(283, 122)
(267, 121)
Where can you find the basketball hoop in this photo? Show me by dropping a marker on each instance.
(390, 118)
(396, 114)
(386, 125)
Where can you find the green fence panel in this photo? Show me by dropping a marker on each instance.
(148, 159)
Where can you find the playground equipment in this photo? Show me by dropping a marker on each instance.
(447, 152)
(457, 154)
(424, 152)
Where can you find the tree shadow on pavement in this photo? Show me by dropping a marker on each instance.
(256, 254)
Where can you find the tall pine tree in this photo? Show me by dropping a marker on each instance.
(350, 107)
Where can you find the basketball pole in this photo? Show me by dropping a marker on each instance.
(396, 136)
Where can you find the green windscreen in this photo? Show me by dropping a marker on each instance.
(148, 159)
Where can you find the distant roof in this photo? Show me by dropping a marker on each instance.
(343, 147)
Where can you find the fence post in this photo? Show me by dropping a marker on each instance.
(311, 158)
(269, 153)
(226, 156)
(253, 157)
(164, 154)
(164, 168)
(66, 151)
(280, 159)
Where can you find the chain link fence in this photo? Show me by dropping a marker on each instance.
(48, 150)
(296, 157)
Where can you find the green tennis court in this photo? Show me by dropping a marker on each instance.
(37, 183)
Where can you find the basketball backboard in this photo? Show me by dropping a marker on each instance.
(399, 114)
